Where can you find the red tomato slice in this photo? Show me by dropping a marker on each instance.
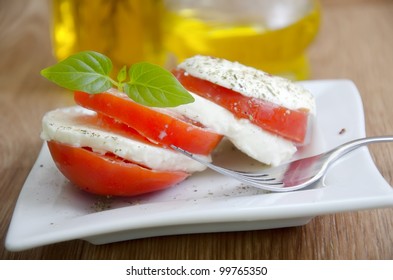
(108, 174)
(290, 124)
(153, 124)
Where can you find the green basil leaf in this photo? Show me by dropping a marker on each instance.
(86, 71)
(153, 86)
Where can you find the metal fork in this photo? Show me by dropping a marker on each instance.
(293, 175)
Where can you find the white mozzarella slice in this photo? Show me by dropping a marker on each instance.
(78, 127)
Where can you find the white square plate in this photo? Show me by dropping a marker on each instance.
(50, 210)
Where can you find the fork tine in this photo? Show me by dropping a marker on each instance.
(269, 174)
(252, 174)
(208, 164)
(268, 181)
(263, 178)
(260, 182)
(268, 185)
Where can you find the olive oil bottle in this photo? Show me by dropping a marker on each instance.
(127, 31)
(269, 35)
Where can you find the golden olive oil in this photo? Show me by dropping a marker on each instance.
(127, 31)
(279, 51)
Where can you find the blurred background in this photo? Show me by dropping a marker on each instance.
(269, 35)
(298, 39)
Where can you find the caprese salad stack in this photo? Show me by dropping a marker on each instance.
(119, 147)
(265, 116)
(110, 144)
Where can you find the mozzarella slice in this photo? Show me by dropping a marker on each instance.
(78, 127)
(247, 137)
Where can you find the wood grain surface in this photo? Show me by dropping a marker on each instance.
(355, 42)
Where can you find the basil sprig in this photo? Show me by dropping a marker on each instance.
(146, 83)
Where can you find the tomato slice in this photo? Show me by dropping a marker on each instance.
(290, 124)
(108, 174)
(155, 125)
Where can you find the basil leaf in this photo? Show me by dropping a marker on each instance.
(153, 86)
(149, 84)
(86, 71)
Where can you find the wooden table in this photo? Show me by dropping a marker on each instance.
(355, 42)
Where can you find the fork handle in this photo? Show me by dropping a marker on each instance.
(353, 145)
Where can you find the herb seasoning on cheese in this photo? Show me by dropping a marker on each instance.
(249, 82)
